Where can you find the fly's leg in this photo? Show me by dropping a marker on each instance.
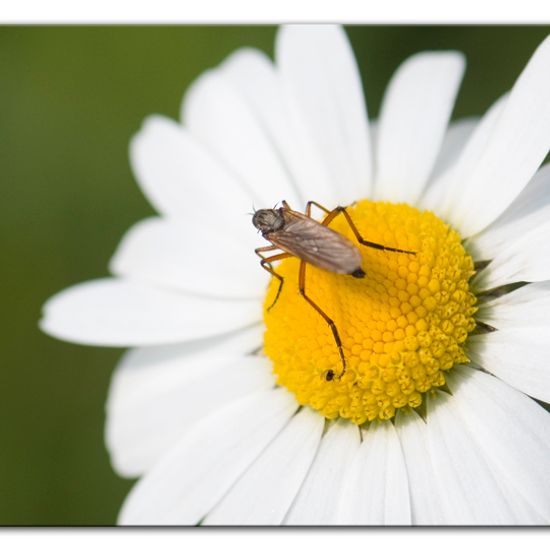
(331, 214)
(266, 264)
(258, 251)
(329, 375)
(309, 204)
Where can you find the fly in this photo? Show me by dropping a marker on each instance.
(312, 242)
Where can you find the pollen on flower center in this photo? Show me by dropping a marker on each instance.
(402, 326)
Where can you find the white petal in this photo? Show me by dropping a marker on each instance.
(444, 194)
(217, 114)
(263, 495)
(526, 307)
(513, 433)
(457, 135)
(375, 490)
(200, 260)
(425, 493)
(184, 486)
(180, 177)
(112, 312)
(471, 493)
(415, 112)
(527, 212)
(519, 356)
(255, 77)
(320, 75)
(518, 144)
(517, 352)
(526, 257)
(316, 501)
(157, 393)
(517, 243)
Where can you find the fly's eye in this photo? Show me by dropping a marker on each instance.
(329, 375)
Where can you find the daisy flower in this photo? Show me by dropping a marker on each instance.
(223, 407)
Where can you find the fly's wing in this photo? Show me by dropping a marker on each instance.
(316, 244)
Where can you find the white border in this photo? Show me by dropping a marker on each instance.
(271, 539)
(275, 11)
(264, 12)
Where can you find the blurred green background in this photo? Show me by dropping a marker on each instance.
(70, 98)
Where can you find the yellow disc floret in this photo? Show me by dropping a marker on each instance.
(402, 326)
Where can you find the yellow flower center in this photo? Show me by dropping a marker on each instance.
(402, 326)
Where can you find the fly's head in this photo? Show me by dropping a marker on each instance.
(268, 220)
